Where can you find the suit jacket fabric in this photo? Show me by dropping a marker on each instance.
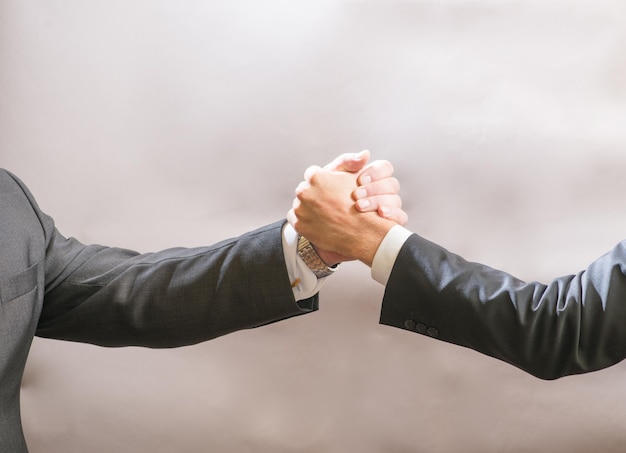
(575, 324)
(56, 287)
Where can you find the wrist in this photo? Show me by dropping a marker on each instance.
(370, 237)
(331, 259)
(311, 257)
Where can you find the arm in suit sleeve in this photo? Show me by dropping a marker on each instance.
(574, 324)
(116, 297)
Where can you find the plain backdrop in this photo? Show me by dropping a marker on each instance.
(150, 124)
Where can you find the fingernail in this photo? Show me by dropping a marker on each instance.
(366, 179)
(363, 203)
(359, 156)
(360, 193)
(385, 211)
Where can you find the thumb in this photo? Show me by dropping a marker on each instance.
(349, 162)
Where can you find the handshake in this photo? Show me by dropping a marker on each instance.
(347, 208)
(57, 287)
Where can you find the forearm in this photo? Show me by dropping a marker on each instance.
(116, 297)
(575, 324)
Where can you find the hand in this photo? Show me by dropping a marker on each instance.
(324, 210)
(378, 189)
(307, 222)
(347, 162)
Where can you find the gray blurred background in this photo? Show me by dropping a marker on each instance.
(150, 124)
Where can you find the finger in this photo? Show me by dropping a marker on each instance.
(350, 162)
(394, 214)
(309, 172)
(371, 204)
(387, 186)
(302, 187)
(379, 169)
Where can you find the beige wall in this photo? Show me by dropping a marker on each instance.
(148, 124)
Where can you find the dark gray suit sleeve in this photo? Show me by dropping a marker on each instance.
(115, 297)
(575, 324)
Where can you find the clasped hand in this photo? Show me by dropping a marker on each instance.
(346, 208)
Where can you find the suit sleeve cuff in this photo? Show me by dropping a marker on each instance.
(387, 253)
(304, 283)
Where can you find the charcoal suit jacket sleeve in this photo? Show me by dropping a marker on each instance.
(574, 324)
(56, 287)
(116, 297)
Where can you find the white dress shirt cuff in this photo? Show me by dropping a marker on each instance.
(387, 253)
(303, 281)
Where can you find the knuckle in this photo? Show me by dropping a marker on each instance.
(310, 172)
(302, 190)
(314, 178)
(383, 168)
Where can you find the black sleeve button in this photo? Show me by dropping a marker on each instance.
(432, 332)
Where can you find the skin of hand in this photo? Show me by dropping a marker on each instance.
(378, 189)
(324, 212)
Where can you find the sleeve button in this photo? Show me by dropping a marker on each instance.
(432, 332)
